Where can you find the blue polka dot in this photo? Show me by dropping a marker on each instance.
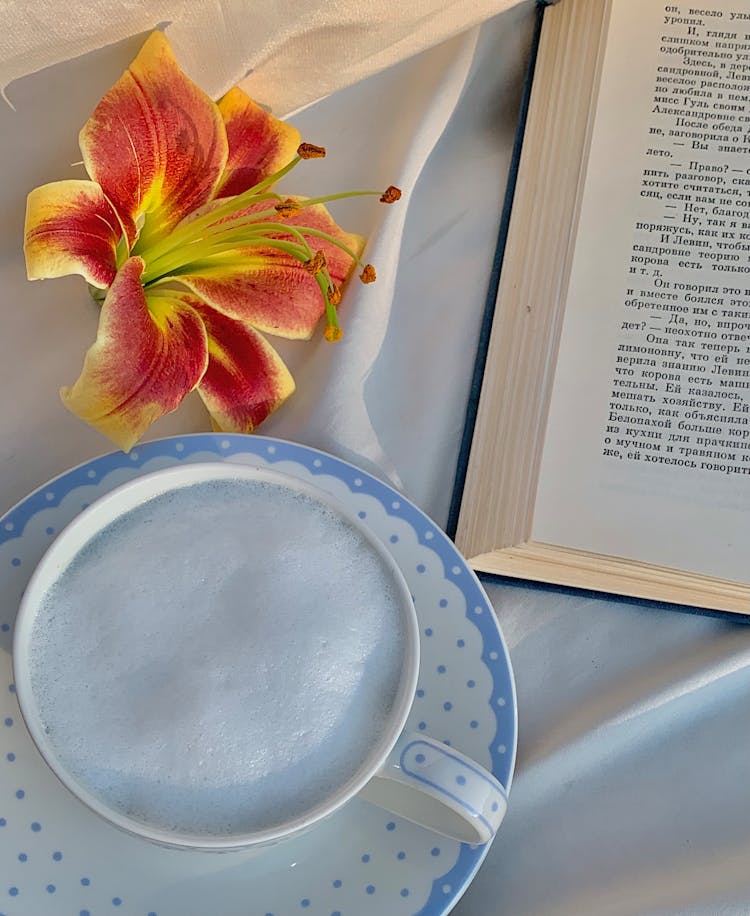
(441, 669)
(401, 856)
(20, 793)
(495, 806)
(5, 627)
(474, 723)
(336, 913)
(151, 914)
(57, 856)
(443, 602)
(460, 643)
(16, 561)
(422, 726)
(394, 539)
(12, 688)
(84, 913)
(404, 891)
(471, 683)
(366, 858)
(428, 631)
(420, 693)
(435, 851)
(362, 514)
(421, 567)
(419, 758)
(390, 826)
(13, 891)
(116, 901)
(446, 742)
(22, 857)
(370, 888)
(8, 721)
(11, 757)
(36, 826)
(85, 881)
(448, 706)
(50, 530)
(338, 882)
(460, 780)
(304, 903)
(3, 822)
(51, 888)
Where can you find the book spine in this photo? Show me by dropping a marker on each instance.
(494, 280)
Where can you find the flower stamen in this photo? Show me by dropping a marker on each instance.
(287, 208)
(310, 151)
(368, 274)
(333, 333)
(390, 195)
(317, 263)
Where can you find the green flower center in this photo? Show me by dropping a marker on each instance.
(202, 241)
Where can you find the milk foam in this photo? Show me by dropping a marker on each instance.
(219, 658)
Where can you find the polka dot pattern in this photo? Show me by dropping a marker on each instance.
(467, 703)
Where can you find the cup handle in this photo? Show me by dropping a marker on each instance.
(440, 788)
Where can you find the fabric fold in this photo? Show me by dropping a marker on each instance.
(285, 55)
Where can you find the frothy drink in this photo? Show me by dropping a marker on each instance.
(219, 658)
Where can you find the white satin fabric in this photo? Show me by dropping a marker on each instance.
(632, 788)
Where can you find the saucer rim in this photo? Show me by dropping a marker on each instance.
(464, 867)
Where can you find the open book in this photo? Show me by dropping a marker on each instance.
(611, 448)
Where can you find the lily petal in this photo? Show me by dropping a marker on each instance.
(259, 144)
(147, 356)
(246, 379)
(156, 143)
(268, 288)
(71, 229)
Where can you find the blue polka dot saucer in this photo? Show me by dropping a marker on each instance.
(56, 857)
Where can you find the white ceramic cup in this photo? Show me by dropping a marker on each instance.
(413, 776)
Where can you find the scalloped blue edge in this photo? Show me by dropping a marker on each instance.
(470, 857)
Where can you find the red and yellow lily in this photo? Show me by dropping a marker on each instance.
(195, 256)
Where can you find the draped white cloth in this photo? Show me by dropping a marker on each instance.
(285, 54)
(632, 787)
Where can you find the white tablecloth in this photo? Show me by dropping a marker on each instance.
(632, 788)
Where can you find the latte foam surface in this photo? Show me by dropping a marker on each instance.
(219, 658)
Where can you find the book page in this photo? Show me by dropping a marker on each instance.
(647, 452)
